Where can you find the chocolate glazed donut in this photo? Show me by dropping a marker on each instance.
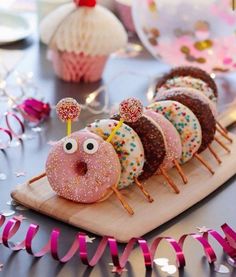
(153, 144)
(203, 114)
(183, 71)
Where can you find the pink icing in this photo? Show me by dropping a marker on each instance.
(72, 67)
(80, 176)
(173, 142)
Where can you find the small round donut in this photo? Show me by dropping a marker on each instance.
(153, 143)
(82, 167)
(199, 106)
(185, 122)
(172, 138)
(196, 78)
(127, 145)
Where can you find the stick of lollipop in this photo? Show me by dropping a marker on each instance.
(130, 110)
(68, 110)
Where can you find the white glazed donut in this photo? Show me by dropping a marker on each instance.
(127, 145)
(185, 122)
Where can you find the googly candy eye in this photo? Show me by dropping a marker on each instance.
(70, 146)
(90, 146)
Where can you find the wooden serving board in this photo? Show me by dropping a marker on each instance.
(109, 217)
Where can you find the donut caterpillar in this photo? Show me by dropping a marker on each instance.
(111, 154)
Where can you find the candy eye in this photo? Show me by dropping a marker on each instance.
(70, 146)
(90, 146)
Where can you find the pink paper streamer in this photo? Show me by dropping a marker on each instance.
(79, 246)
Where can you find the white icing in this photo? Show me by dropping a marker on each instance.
(128, 146)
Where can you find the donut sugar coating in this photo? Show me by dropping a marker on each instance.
(185, 122)
(172, 138)
(196, 73)
(82, 167)
(153, 143)
(199, 106)
(127, 145)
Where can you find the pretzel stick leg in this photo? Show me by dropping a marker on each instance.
(214, 154)
(180, 171)
(36, 178)
(143, 190)
(222, 145)
(224, 134)
(122, 200)
(201, 160)
(221, 127)
(169, 180)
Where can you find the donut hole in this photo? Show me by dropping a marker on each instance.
(81, 168)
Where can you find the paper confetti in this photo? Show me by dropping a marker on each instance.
(27, 137)
(220, 268)
(118, 270)
(90, 239)
(15, 143)
(170, 269)
(7, 213)
(12, 203)
(21, 208)
(52, 142)
(161, 261)
(203, 229)
(3, 176)
(19, 217)
(20, 173)
(37, 129)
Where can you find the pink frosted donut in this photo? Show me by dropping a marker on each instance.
(82, 167)
(173, 141)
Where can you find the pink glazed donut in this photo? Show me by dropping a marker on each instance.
(173, 141)
(82, 167)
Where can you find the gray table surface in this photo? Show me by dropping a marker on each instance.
(213, 211)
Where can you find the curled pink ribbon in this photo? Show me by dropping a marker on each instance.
(17, 120)
(11, 131)
(9, 135)
(79, 245)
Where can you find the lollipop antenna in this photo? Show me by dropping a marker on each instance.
(68, 110)
(130, 110)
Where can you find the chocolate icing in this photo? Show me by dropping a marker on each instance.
(194, 72)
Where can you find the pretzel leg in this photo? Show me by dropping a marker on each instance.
(180, 171)
(36, 178)
(122, 200)
(201, 160)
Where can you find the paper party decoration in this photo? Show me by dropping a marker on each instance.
(81, 35)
